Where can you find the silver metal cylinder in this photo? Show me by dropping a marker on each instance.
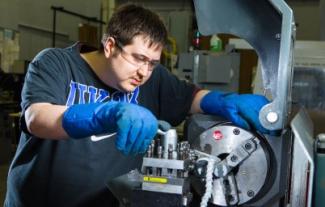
(170, 139)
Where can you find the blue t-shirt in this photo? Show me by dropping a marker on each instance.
(71, 172)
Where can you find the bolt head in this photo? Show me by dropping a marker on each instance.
(250, 193)
(233, 158)
(248, 146)
(272, 117)
(236, 131)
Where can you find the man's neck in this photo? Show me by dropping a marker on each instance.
(97, 62)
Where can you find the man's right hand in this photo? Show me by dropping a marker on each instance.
(136, 126)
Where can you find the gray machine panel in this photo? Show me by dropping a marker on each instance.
(214, 70)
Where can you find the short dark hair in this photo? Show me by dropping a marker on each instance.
(130, 20)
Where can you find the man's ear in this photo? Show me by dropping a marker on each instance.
(109, 47)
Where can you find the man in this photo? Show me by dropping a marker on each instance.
(73, 93)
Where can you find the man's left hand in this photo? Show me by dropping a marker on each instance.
(242, 110)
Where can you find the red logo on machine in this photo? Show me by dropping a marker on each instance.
(217, 135)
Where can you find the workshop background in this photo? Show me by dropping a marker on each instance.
(28, 26)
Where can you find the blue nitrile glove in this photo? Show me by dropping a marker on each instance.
(135, 125)
(242, 110)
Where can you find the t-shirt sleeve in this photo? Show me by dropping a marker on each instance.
(45, 81)
(175, 96)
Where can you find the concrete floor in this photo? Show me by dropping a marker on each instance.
(3, 182)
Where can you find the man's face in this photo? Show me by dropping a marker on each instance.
(132, 65)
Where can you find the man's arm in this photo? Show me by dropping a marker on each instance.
(45, 120)
(195, 107)
(135, 126)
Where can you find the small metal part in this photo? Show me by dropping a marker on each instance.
(149, 155)
(250, 193)
(170, 152)
(158, 141)
(248, 146)
(159, 151)
(236, 131)
(233, 158)
(181, 153)
(169, 140)
(159, 156)
(185, 201)
(152, 148)
(170, 156)
(149, 151)
(272, 117)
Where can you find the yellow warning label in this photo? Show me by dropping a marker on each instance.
(155, 179)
